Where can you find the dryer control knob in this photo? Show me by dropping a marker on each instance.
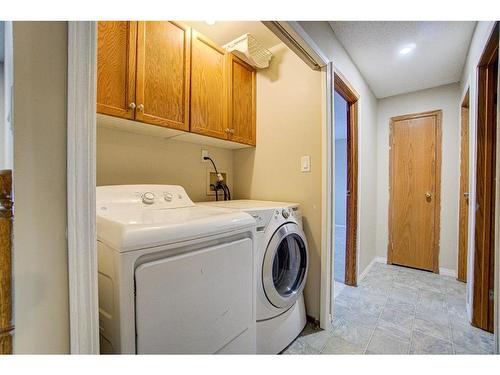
(148, 198)
(285, 213)
(168, 197)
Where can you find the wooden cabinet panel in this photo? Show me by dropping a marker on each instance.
(208, 88)
(163, 71)
(116, 63)
(241, 101)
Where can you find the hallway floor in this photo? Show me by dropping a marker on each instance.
(398, 310)
(339, 256)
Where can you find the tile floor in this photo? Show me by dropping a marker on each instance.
(339, 256)
(398, 310)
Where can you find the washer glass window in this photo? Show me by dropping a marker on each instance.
(289, 265)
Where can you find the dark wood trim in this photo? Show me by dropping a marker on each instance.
(6, 326)
(482, 306)
(344, 89)
(463, 229)
(437, 213)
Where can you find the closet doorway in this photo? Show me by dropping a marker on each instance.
(346, 182)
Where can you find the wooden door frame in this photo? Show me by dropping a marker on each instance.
(463, 252)
(437, 194)
(6, 217)
(485, 199)
(347, 92)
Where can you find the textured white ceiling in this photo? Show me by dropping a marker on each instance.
(438, 58)
(223, 32)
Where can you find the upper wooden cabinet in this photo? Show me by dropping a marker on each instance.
(163, 73)
(208, 88)
(242, 91)
(116, 60)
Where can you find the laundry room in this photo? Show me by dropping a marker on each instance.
(218, 125)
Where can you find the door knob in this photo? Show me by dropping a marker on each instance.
(132, 105)
(428, 195)
(140, 107)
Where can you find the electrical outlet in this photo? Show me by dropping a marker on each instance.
(204, 154)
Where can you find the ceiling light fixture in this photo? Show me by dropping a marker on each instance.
(210, 23)
(407, 49)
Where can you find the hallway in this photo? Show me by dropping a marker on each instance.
(398, 310)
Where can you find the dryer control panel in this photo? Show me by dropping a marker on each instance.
(153, 196)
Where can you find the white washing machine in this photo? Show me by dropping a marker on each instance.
(281, 270)
(173, 277)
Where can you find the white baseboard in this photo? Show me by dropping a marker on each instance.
(380, 260)
(447, 272)
(442, 271)
(363, 274)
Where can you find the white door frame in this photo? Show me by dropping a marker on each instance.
(81, 169)
(327, 192)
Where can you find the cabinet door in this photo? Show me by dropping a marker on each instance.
(208, 88)
(242, 97)
(163, 71)
(116, 58)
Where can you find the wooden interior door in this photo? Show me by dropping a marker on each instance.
(6, 327)
(208, 88)
(463, 215)
(415, 164)
(116, 65)
(484, 239)
(242, 116)
(163, 74)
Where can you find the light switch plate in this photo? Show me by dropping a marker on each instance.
(305, 163)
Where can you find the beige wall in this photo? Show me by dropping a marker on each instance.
(288, 126)
(129, 158)
(323, 35)
(40, 247)
(446, 98)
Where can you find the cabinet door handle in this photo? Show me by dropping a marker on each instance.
(231, 131)
(132, 106)
(140, 107)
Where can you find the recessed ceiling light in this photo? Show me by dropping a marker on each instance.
(211, 23)
(407, 49)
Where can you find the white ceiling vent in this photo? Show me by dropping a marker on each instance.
(249, 49)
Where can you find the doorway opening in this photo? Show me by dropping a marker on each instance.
(6, 189)
(463, 214)
(415, 190)
(346, 182)
(484, 239)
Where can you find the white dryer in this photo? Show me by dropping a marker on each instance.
(173, 277)
(281, 270)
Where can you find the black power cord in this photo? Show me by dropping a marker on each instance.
(219, 185)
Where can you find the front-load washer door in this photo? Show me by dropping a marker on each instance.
(284, 269)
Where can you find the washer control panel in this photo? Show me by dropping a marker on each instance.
(262, 218)
(284, 213)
